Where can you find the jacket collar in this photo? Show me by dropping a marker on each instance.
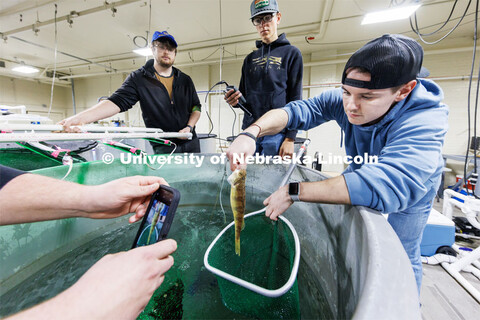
(281, 41)
(149, 71)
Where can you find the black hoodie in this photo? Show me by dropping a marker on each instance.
(158, 110)
(271, 78)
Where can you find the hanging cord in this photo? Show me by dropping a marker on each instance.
(475, 145)
(465, 177)
(417, 31)
(234, 121)
(54, 63)
(67, 160)
(219, 197)
(208, 114)
(144, 154)
(149, 18)
(235, 114)
(433, 32)
(362, 41)
(221, 62)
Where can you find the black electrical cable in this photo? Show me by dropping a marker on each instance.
(475, 146)
(234, 120)
(211, 122)
(365, 40)
(206, 97)
(433, 32)
(465, 177)
(448, 33)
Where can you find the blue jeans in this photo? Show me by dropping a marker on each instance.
(270, 145)
(409, 226)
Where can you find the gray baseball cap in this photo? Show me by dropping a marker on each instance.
(263, 6)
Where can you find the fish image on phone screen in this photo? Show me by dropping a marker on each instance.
(156, 218)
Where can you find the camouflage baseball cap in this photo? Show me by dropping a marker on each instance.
(263, 6)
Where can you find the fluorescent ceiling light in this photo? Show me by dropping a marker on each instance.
(25, 69)
(147, 51)
(397, 13)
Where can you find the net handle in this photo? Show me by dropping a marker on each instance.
(264, 292)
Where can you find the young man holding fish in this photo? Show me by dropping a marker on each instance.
(384, 109)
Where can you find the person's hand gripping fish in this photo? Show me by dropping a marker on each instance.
(237, 202)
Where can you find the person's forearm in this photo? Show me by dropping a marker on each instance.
(194, 116)
(30, 198)
(50, 309)
(270, 123)
(333, 190)
(99, 111)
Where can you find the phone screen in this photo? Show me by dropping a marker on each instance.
(156, 223)
(152, 228)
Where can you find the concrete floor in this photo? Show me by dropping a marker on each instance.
(442, 297)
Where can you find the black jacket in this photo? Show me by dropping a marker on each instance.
(271, 78)
(7, 174)
(158, 110)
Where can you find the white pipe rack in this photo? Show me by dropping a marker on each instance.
(41, 132)
(471, 208)
(85, 128)
(32, 136)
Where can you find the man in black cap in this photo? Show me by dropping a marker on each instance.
(271, 77)
(167, 97)
(386, 110)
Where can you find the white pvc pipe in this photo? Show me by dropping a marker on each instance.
(438, 259)
(470, 207)
(18, 137)
(466, 260)
(85, 128)
(467, 285)
(23, 109)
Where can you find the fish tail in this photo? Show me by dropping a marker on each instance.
(237, 245)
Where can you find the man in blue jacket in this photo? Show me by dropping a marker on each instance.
(167, 97)
(385, 110)
(271, 77)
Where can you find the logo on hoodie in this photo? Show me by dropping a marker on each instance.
(270, 61)
(261, 3)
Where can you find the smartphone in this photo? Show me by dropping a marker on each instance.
(158, 219)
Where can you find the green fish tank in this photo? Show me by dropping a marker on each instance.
(345, 269)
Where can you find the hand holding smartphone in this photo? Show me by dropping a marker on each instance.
(158, 219)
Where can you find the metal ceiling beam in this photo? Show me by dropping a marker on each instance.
(24, 6)
(73, 14)
(64, 53)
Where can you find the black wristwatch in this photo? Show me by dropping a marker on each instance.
(191, 128)
(294, 191)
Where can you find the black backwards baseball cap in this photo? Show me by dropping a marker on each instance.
(263, 6)
(392, 60)
(164, 35)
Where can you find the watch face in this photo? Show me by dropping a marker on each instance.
(293, 188)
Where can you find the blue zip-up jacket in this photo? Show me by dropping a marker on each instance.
(271, 78)
(408, 142)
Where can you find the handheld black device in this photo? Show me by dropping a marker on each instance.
(241, 102)
(159, 216)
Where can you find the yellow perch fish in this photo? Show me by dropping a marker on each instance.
(237, 202)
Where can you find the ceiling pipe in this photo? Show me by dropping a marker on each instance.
(24, 6)
(240, 58)
(64, 53)
(179, 65)
(39, 24)
(298, 30)
(327, 7)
